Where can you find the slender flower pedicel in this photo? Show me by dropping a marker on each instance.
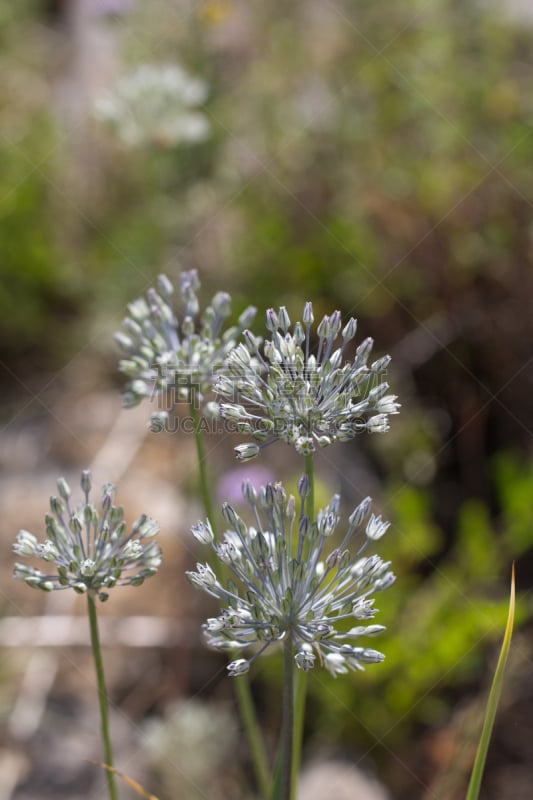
(287, 586)
(91, 550)
(172, 360)
(309, 400)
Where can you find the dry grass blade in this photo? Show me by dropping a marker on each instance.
(133, 784)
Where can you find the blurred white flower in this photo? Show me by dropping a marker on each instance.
(155, 105)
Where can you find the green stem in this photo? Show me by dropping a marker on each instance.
(202, 470)
(287, 731)
(301, 677)
(102, 696)
(309, 471)
(299, 716)
(253, 734)
(242, 683)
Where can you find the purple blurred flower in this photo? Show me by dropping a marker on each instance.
(101, 8)
(229, 487)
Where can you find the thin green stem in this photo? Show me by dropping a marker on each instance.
(202, 468)
(287, 731)
(300, 696)
(253, 734)
(102, 696)
(301, 677)
(309, 471)
(242, 683)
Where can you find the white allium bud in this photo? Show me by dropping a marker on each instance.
(335, 664)
(305, 658)
(203, 532)
(48, 551)
(378, 424)
(239, 667)
(63, 488)
(245, 452)
(376, 527)
(88, 568)
(388, 404)
(25, 544)
(133, 550)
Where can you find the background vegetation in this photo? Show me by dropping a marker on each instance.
(375, 157)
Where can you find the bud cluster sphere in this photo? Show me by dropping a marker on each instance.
(307, 399)
(91, 549)
(284, 584)
(178, 360)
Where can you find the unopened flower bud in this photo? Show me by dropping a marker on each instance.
(203, 532)
(239, 667)
(284, 319)
(349, 330)
(63, 488)
(245, 452)
(86, 481)
(272, 322)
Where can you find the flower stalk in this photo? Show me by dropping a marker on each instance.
(253, 735)
(202, 464)
(288, 722)
(242, 687)
(309, 472)
(102, 696)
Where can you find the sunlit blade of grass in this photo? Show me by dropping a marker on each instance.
(133, 784)
(492, 705)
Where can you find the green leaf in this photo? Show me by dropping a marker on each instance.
(492, 704)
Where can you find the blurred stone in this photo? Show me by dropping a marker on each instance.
(518, 10)
(340, 780)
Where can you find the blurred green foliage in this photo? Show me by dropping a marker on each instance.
(37, 299)
(403, 121)
(445, 613)
(379, 161)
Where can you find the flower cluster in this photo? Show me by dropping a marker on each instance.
(309, 400)
(91, 550)
(285, 585)
(155, 105)
(173, 360)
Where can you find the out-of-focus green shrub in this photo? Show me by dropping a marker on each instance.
(38, 300)
(443, 615)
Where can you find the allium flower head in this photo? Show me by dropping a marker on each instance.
(89, 549)
(155, 105)
(307, 399)
(285, 583)
(177, 360)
